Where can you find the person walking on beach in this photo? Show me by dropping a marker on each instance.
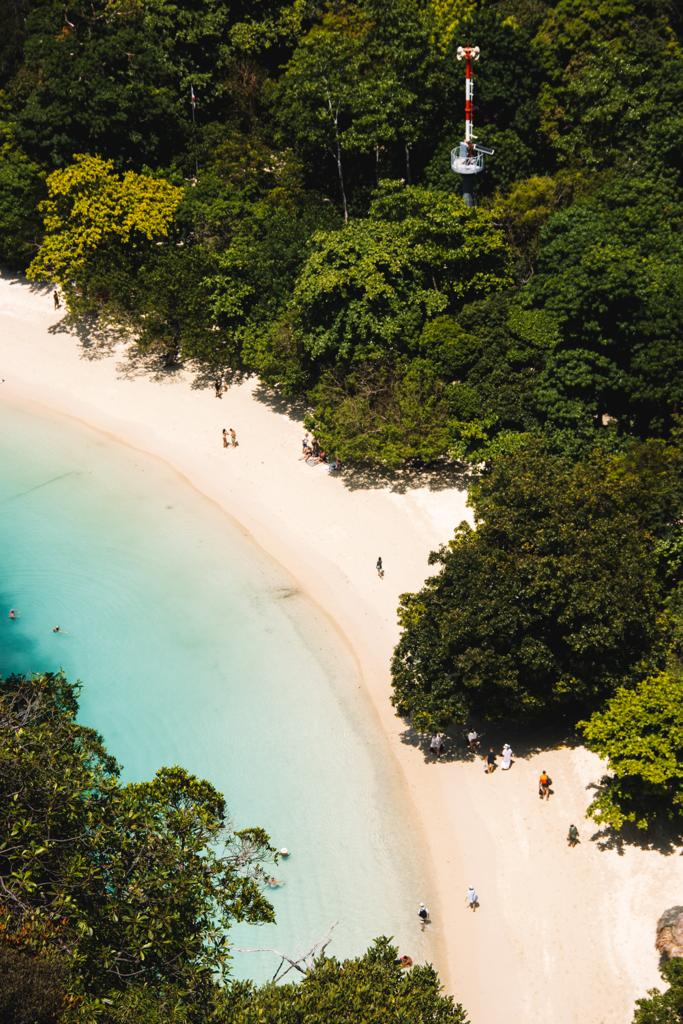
(55, 299)
(472, 898)
(544, 784)
(507, 757)
(233, 438)
(423, 914)
(380, 568)
(473, 741)
(225, 438)
(573, 835)
(490, 761)
(218, 387)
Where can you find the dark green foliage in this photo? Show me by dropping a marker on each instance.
(32, 988)
(663, 1007)
(553, 600)
(609, 272)
(21, 189)
(132, 884)
(301, 109)
(372, 989)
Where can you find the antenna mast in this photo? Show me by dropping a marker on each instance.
(467, 159)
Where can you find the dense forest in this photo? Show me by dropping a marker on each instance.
(265, 187)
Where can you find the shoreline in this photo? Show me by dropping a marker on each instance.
(562, 935)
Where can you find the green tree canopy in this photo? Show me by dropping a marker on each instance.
(372, 988)
(100, 224)
(609, 272)
(553, 600)
(663, 1007)
(640, 733)
(368, 288)
(132, 883)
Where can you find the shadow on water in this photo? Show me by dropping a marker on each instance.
(19, 652)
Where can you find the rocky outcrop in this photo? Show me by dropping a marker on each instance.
(670, 933)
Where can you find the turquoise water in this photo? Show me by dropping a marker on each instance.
(195, 649)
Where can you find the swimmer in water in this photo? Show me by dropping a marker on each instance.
(12, 613)
(56, 629)
(273, 883)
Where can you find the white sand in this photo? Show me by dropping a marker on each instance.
(561, 935)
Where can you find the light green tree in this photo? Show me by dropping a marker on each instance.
(95, 220)
(640, 733)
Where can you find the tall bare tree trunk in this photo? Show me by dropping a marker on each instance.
(334, 114)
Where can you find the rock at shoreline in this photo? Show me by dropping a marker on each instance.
(670, 933)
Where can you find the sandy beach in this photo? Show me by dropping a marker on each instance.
(562, 935)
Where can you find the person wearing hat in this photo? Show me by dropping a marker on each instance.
(423, 914)
(472, 898)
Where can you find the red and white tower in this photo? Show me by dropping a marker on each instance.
(467, 159)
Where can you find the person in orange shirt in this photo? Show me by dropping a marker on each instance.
(544, 783)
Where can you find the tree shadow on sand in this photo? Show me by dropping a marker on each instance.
(525, 741)
(438, 477)
(664, 838)
(97, 340)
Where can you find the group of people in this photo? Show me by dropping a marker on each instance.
(313, 455)
(491, 759)
(14, 614)
(471, 899)
(230, 438)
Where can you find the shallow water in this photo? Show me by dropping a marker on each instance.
(196, 649)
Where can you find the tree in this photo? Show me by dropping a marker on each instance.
(552, 602)
(33, 987)
(612, 73)
(663, 1007)
(315, 96)
(372, 988)
(608, 271)
(114, 78)
(385, 413)
(133, 884)
(21, 189)
(367, 289)
(99, 224)
(640, 733)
